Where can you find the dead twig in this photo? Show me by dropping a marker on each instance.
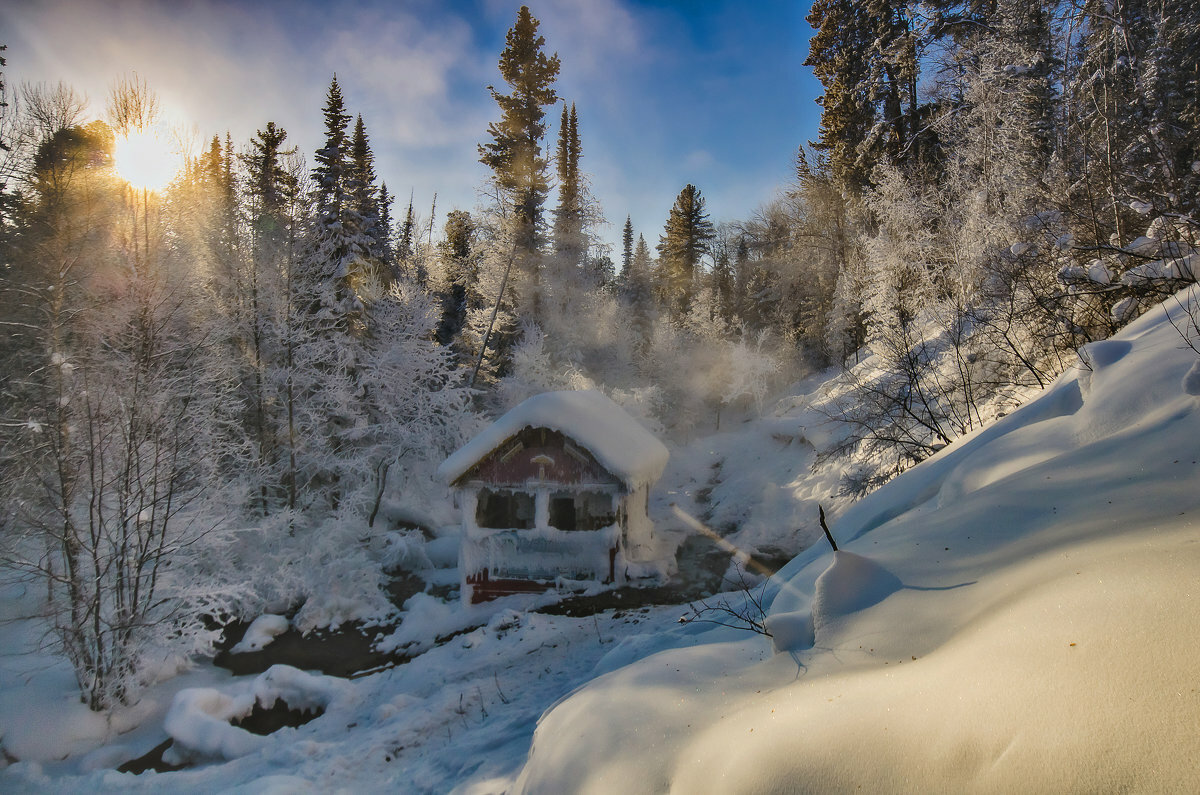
(750, 615)
(825, 527)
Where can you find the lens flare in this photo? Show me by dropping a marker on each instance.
(144, 160)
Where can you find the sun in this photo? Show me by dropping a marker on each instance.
(144, 160)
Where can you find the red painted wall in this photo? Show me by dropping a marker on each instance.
(513, 463)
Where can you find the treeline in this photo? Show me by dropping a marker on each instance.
(228, 396)
(1005, 182)
(210, 392)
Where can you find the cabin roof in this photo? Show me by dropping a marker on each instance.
(617, 441)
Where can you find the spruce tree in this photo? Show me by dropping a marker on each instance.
(229, 199)
(208, 182)
(626, 244)
(569, 241)
(339, 250)
(269, 183)
(684, 242)
(271, 191)
(865, 55)
(363, 194)
(515, 152)
(329, 175)
(461, 273)
(722, 284)
(387, 248)
(838, 54)
(637, 293)
(405, 245)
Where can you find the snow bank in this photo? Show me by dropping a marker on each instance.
(332, 610)
(851, 583)
(619, 443)
(1018, 611)
(41, 716)
(1049, 567)
(200, 719)
(425, 618)
(1191, 381)
(199, 723)
(260, 633)
(791, 631)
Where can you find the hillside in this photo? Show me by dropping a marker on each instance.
(1019, 608)
(1018, 611)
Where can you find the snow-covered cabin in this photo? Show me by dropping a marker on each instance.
(555, 490)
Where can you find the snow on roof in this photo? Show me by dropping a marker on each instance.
(618, 442)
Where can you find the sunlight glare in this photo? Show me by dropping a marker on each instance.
(144, 160)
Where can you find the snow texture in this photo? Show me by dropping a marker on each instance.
(791, 631)
(199, 720)
(1191, 381)
(260, 633)
(1043, 639)
(1044, 632)
(619, 443)
(851, 583)
(199, 723)
(1173, 268)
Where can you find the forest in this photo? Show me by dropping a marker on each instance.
(226, 394)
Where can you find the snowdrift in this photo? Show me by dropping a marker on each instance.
(1020, 612)
(200, 719)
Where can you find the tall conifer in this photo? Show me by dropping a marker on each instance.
(627, 244)
(329, 194)
(569, 240)
(515, 152)
(364, 197)
(386, 240)
(684, 242)
(339, 252)
(865, 55)
(404, 248)
(269, 183)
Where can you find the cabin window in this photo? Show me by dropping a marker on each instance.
(584, 510)
(562, 512)
(504, 510)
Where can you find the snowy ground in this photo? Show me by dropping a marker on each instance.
(1018, 612)
(1029, 623)
(461, 714)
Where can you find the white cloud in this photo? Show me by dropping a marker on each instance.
(651, 116)
(407, 71)
(217, 66)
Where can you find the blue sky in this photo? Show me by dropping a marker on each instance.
(712, 93)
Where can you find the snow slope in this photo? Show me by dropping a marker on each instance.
(1017, 613)
(1028, 620)
(460, 716)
